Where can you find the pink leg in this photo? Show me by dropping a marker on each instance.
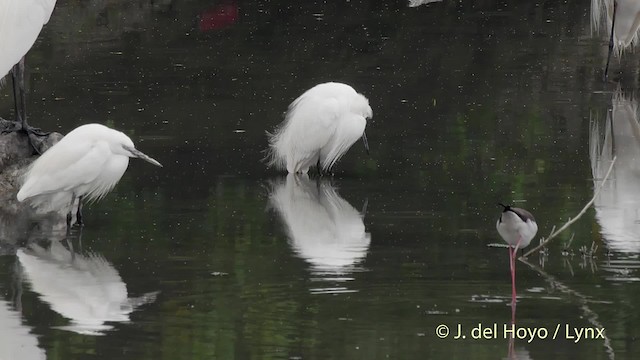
(513, 253)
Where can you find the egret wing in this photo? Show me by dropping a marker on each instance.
(20, 24)
(64, 167)
(312, 122)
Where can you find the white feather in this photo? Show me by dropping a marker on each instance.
(627, 26)
(20, 24)
(321, 124)
(515, 231)
(88, 162)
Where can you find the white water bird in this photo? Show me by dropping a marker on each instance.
(319, 127)
(20, 23)
(84, 288)
(85, 164)
(618, 204)
(324, 229)
(517, 227)
(622, 21)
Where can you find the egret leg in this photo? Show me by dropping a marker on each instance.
(613, 23)
(79, 213)
(20, 105)
(69, 214)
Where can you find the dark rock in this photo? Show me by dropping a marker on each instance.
(19, 223)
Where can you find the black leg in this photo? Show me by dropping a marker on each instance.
(69, 222)
(613, 24)
(79, 213)
(20, 105)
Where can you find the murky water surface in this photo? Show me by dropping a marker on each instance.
(215, 256)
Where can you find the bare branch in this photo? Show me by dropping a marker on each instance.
(575, 218)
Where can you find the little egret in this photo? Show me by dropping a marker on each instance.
(517, 227)
(319, 127)
(87, 163)
(623, 18)
(20, 24)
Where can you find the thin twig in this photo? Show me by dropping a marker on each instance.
(574, 219)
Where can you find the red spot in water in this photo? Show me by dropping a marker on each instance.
(218, 17)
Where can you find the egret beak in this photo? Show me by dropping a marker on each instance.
(140, 155)
(366, 143)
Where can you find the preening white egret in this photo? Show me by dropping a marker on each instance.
(87, 163)
(319, 127)
(517, 227)
(20, 24)
(84, 288)
(623, 20)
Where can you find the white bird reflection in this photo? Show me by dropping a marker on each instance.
(16, 339)
(324, 229)
(416, 3)
(618, 205)
(84, 288)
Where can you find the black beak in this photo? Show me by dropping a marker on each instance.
(365, 141)
(506, 207)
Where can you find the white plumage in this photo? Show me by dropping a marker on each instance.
(325, 230)
(517, 227)
(87, 163)
(627, 14)
(85, 289)
(319, 127)
(20, 24)
(620, 20)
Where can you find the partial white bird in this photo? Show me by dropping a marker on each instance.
(20, 24)
(517, 227)
(85, 164)
(622, 23)
(618, 204)
(85, 289)
(16, 339)
(319, 127)
(325, 230)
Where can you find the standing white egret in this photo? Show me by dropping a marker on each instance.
(20, 24)
(319, 127)
(88, 162)
(623, 18)
(517, 227)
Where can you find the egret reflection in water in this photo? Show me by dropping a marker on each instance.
(618, 205)
(16, 339)
(324, 229)
(84, 288)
